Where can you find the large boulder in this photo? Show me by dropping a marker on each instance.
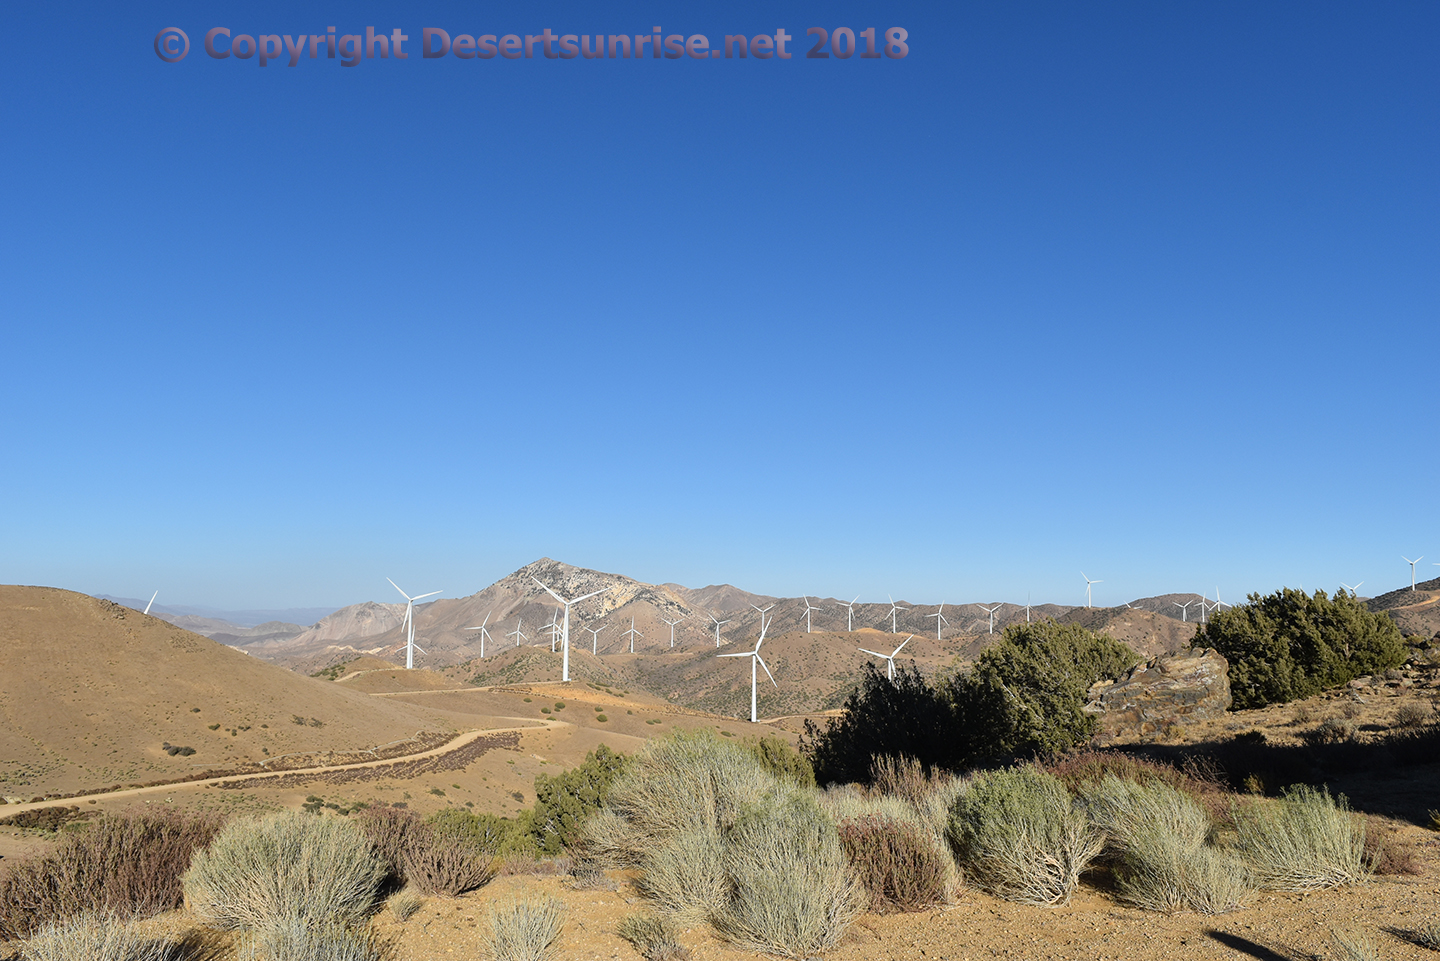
(1168, 690)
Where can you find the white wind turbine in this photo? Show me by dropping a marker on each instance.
(517, 633)
(1027, 607)
(152, 601)
(553, 629)
(484, 634)
(672, 628)
(1347, 587)
(762, 611)
(1412, 568)
(850, 614)
(939, 620)
(595, 638)
(718, 622)
(1088, 582)
(1184, 613)
(409, 624)
(808, 609)
(991, 611)
(893, 608)
(889, 659)
(565, 628)
(1219, 603)
(632, 634)
(755, 658)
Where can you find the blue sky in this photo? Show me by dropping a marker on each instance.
(1147, 290)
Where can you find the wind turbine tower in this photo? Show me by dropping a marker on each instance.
(991, 611)
(484, 634)
(595, 638)
(893, 608)
(889, 659)
(718, 622)
(808, 608)
(850, 614)
(1088, 582)
(565, 629)
(517, 633)
(939, 620)
(409, 623)
(672, 628)
(632, 634)
(1412, 569)
(755, 658)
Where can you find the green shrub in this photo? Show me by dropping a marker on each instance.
(653, 937)
(780, 758)
(1020, 836)
(1291, 645)
(601, 718)
(97, 937)
(291, 866)
(563, 801)
(1304, 841)
(126, 865)
(792, 889)
(900, 865)
(525, 930)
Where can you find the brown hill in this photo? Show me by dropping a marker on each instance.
(90, 690)
(1146, 632)
(1417, 612)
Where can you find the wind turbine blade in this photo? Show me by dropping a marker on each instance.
(590, 595)
(547, 590)
(903, 643)
(420, 649)
(431, 594)
(767, 669)
(746, 654)
(868, 651)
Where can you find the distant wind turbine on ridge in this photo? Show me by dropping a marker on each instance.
(718, 622)
(1088, 582)
(1184, 613)
(808, 609)
(484, 634)
(755, 658)
(595, 638)
(939, 619)
(632, 634)
(893, 608)
(152, 601)
(1412, 569)
(850, 614)
(517, 633)
(889, 659)
(1347, 587)
(991, 611)
(409, 624)
(672, 628)
(565, 628)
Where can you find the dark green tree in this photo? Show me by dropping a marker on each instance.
(1290, 645)
(1027, 693)
(563, 801)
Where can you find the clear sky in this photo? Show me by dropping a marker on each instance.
(1147, 290)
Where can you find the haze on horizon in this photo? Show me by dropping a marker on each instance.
(1146, 291)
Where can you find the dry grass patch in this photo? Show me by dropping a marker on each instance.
(525, 930)
(1305, 841)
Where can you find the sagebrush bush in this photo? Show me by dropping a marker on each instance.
(442, 856)
(299, 938)
(899, 865)
(524, 930)
(126, 865)
(792, 891)
(284, 867)
(1018, 833)
(685, 877)
(93, 936)
(677, 784)
(1414, 714)
(1160, 839)
(1304, 841)
(391, 833)
(653, 937)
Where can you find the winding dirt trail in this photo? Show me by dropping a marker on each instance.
(448, 747)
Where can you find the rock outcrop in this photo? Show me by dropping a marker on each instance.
(1168, 690)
